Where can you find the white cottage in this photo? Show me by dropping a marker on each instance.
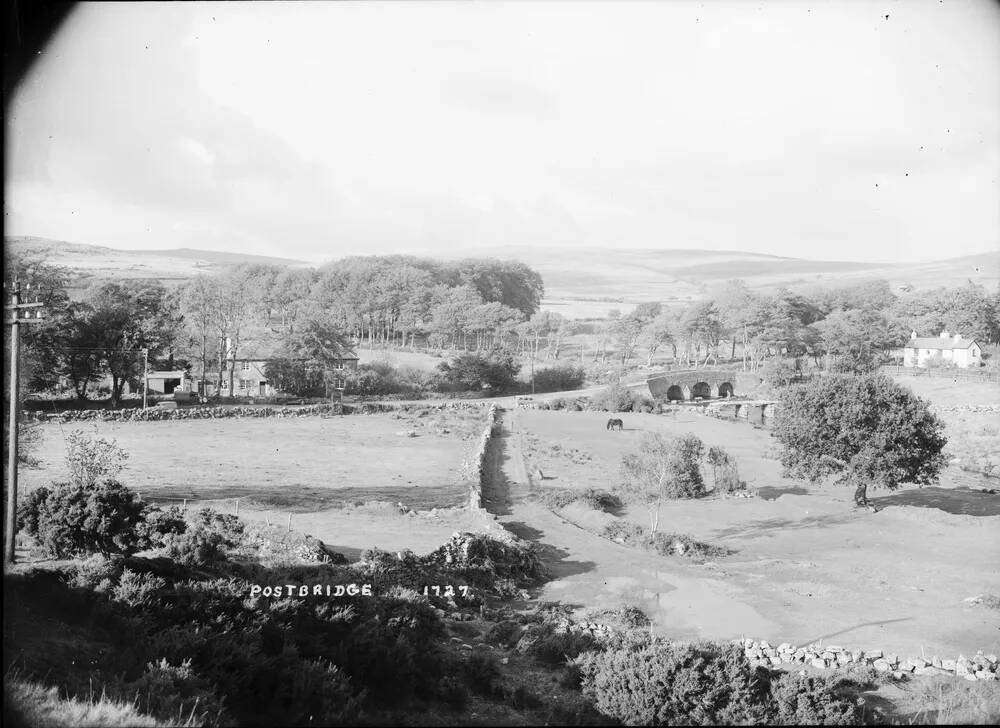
(963, 353)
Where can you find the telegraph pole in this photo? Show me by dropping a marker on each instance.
(14, 321)
(145, 375)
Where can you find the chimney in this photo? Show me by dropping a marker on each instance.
(945, 335)
(913, 334)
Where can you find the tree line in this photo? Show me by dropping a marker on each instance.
(315, 315)
(853, 325)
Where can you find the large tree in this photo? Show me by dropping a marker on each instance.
(866, 430)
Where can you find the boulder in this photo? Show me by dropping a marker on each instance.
(819, 663)
(881, 665)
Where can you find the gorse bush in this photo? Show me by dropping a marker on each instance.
(72, 520)
(811, 700)
(135, 589)
(643, 680)
(649, 682)
(175, 694)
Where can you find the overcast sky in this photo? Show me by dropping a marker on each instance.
(837, 130)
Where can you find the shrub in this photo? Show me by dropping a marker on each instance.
(135, 589)
(597, 499)
(663, 468)
(555, 648)
(811, 700)
(70, 520)
(779, 372)
(482, 672)
(614, 398)
(161, 523)
(476, 371)
(622, 530)
(175, 694)
(199, 545)
(644, 681)
(92, 459)
(451, 691)
(559, 378)
(97, 573)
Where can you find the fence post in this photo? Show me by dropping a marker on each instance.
(185, 506)
(289, 522)
(237, 506)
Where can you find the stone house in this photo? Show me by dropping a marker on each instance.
(945, 348)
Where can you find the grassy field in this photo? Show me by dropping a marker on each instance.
(294, 465)
(973, 435)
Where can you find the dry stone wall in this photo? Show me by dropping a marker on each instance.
(478, 463)
(978, 667)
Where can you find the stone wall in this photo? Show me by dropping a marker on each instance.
(478, 461)
(157, 414)
(979, 667)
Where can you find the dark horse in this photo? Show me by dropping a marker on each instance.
(613, 423)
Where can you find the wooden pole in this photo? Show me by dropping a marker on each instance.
(289, 522)
(237, 506)
(15, 331)
(145, 375)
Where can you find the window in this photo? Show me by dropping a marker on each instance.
(246, 366)
(244, 384)
(339, 382)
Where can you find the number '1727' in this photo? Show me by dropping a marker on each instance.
(446, 591)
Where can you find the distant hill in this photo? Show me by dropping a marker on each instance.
(646, 275)
(96, 263)
(215, 256)
(579, 274)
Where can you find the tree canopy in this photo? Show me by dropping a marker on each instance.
(867, 430)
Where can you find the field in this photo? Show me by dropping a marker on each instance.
(319, 470)
(807, 565)
(973, 430)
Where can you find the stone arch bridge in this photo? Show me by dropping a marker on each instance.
(691, 384)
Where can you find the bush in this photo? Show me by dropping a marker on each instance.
(475, 372)
(482, 672)
(382, 378)
(199, 545)
(555, 648)
(160, 523)
(779, 372)
(559, 378)
(811, 700)
(600, 500)
(135, 589)
(92, 459)
(648, 682)
(97, 573)
(614, 398)
(175, 694)
(70, 520)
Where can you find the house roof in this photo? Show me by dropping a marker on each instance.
(936, 342)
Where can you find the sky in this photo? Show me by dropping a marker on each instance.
(865, 131)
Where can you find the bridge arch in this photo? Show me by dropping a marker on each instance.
(675, 392)
(726, 389)
(701, 389)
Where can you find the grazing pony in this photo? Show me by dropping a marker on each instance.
(613, 423)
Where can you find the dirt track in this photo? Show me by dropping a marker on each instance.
(807, 567)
